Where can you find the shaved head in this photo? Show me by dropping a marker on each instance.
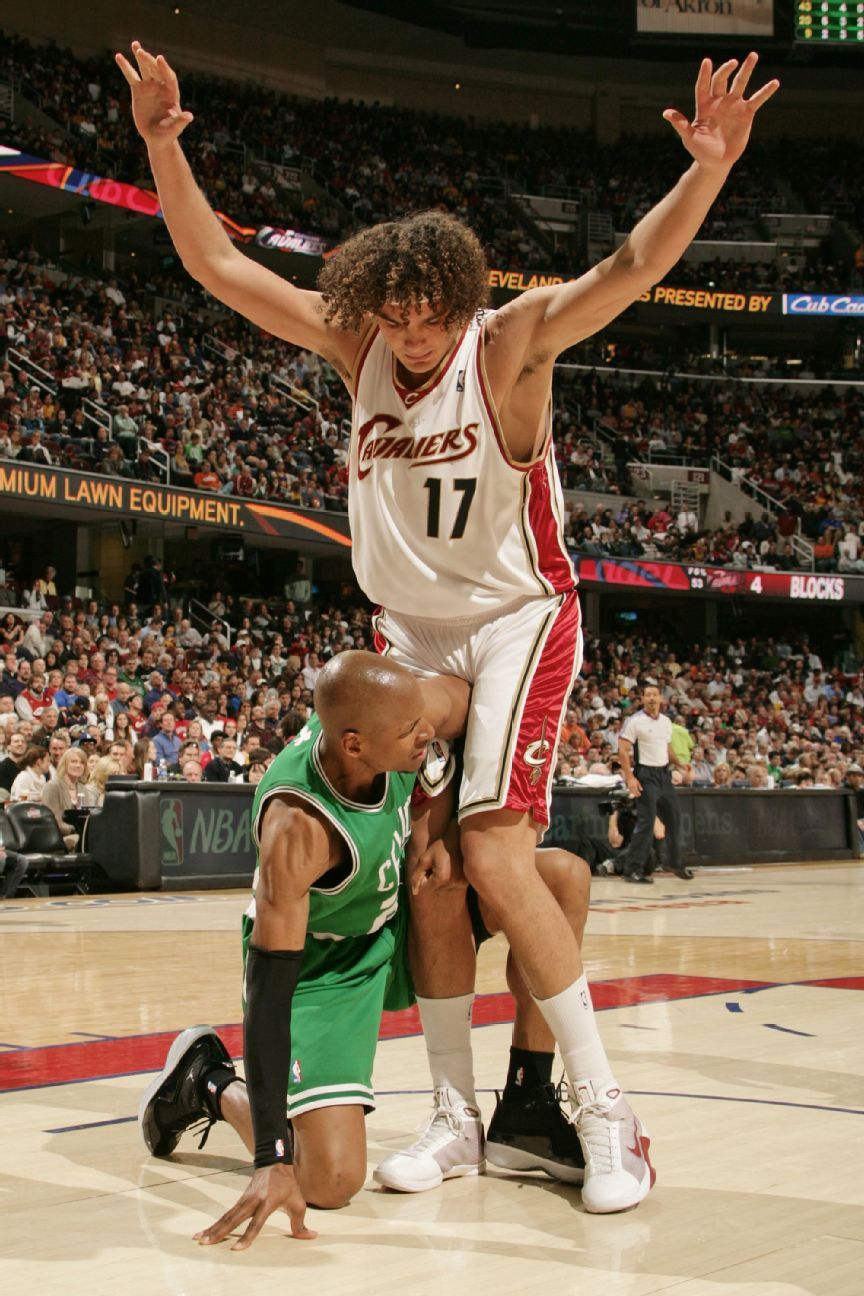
(361, 692)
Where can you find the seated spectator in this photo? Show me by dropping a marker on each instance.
(122, 750)
(166, 742)
(29, 784)
(190, 770)
(144, 759)
(722, 775)
(223, 768)
(257, 768)
(104, 768)
(13, 761)
(69, 790)
(758, 777)
(701, 770)
(46, 583)
(189, 750)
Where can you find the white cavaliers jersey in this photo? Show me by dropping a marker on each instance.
(444, 523)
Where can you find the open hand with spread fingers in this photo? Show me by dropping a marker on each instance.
(271, 1188)
(718, 134)
(155, 97)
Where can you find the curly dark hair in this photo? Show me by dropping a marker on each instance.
(429, 256)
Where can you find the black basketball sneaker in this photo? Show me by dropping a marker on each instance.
(536, 1135)
(181, 1095)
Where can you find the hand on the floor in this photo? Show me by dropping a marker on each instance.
(270, 1189)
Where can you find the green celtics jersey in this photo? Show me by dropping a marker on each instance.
(359, 901)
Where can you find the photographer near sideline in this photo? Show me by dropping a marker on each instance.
(649, 732)
(621, 809)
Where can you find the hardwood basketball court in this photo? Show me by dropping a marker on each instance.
(731, 1008)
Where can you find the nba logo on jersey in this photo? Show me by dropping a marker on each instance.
(460, 381)
(296, 1071)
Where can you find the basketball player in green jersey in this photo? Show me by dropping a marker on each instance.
(330, 824)
(330, 820)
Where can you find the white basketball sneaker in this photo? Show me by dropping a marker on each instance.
(618, 1171)
(450, 1146)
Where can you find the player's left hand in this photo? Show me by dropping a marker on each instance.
(718, 134)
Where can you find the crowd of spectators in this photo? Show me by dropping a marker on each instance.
(806, 453)
(90, 692)
(231, 409)
(752, 713)
(649, 531)
(376, 161)
(190, 400)
(138, 690)
(221, 426)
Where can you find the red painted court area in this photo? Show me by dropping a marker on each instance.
(98, 1059)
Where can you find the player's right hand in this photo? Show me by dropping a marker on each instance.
(634, 787)
(155, 97)
(270, 1189)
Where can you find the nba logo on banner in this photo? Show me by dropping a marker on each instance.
(171, 823)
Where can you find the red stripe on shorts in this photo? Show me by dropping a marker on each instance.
(379, 643)
(548, 692)
(552, 556)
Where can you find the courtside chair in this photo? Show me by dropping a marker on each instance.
(38, 858)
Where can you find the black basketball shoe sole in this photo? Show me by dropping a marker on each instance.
(176, 1100)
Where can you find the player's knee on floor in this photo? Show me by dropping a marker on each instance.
(329, 1185)
(330, 1155)
(334, 1194)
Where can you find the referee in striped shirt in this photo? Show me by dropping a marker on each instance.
(649, 732)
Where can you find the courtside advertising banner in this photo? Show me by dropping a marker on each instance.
(706, 17)
(117, 193)
(824, 305)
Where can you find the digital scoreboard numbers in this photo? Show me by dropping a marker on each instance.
(830, 22)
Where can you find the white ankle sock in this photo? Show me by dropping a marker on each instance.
(447, 1028)
(570, 1016)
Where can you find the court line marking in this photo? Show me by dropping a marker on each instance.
(655, 980)
(787, 1030)
(639, 1093)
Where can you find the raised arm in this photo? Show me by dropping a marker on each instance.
(548, 320)
(203, 246)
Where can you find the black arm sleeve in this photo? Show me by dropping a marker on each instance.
(271, 979)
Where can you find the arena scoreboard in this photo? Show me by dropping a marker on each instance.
(830, 22)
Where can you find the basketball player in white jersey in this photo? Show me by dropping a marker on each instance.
(456, 523)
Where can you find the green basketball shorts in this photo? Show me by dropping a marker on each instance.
(336, 1014)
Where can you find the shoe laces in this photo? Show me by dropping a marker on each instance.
(599, 1136)
(437, 1130)
(205, 1125)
